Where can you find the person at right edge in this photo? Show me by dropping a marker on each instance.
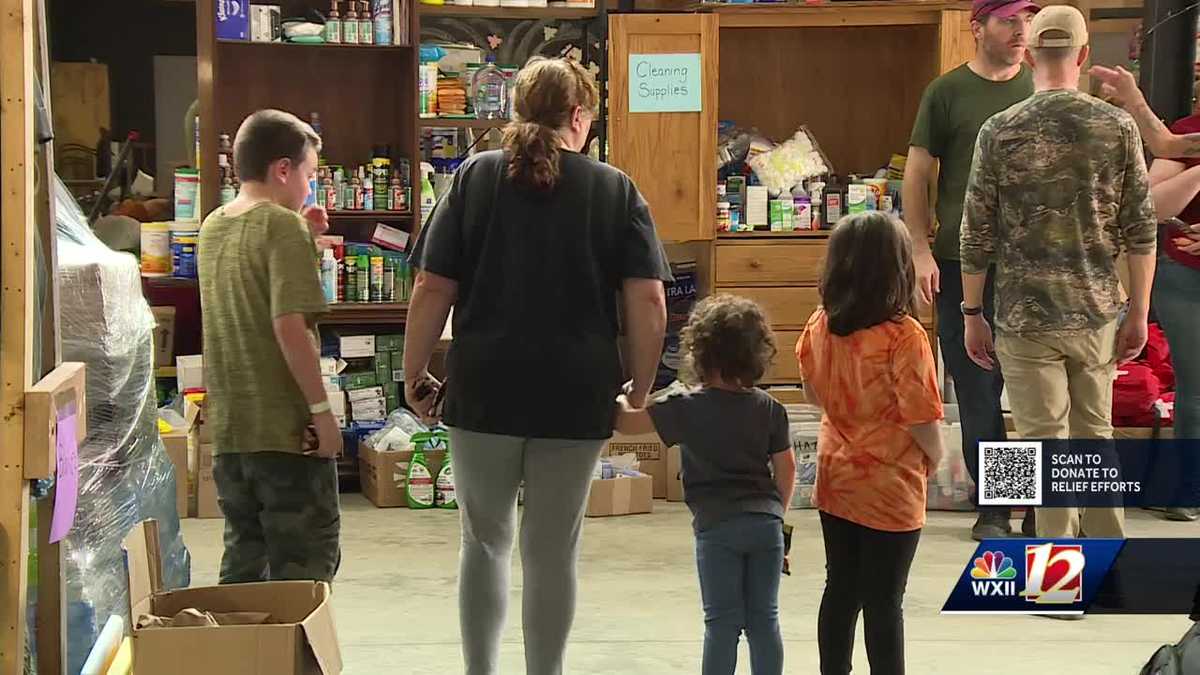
(953, 108)
(1058, 189)
(536, 247)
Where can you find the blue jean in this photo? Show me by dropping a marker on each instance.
(740, 560)
(1177, 307)
(977, 390)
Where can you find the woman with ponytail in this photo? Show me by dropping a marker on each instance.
(537, 248)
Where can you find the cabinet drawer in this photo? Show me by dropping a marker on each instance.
(770, 264)
(785, 368)
(786, 307)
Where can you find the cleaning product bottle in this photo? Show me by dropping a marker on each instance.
(428, 199)
(329, 275)
(445, 496)
(418, 487)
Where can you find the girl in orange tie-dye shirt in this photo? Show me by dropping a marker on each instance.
(866, 362)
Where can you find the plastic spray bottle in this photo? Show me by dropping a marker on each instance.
(419, 487)
(445, 496)
(428, 199)
(329, 275)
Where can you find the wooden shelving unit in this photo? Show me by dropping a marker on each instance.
(461, 123)
(510, 12)
(362, 314)
(290, 46)
(809, 234)
(369, 215)
(875, 56)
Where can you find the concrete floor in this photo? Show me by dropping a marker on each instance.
(639, 609)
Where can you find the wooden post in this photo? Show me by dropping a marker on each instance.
(17, 309)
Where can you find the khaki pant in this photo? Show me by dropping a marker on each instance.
(1061, 387)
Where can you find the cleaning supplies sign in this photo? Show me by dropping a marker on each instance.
(661, 83)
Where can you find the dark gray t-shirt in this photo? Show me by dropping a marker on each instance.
(727, 439)
(535, 324)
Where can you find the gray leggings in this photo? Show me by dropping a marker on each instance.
(488, 470)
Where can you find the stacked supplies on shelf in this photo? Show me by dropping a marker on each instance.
(451, 96)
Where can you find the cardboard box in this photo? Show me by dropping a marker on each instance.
(651, 454)
(300, 640)
(206, 488)
(366, 394)
(356, 346)
(266, 23)
(164, 336)
(360, 380)
(390, 343)
(384, 475)
(332, 366)
(233, 22)
(383, 367)
(198, 428)
(369, 411)
(621, 496)
(337, 402)
(675, 474)
(190, 372)
(176, 445)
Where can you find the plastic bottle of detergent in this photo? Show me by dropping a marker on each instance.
(445, 495)
(419, 487)
(428, 199)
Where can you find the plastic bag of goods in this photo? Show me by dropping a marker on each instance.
(804, 441)
(790, 162)
(950, 488)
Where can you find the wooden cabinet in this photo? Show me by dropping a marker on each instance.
(671, 156)
(852, 72)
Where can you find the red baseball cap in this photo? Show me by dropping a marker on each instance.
(1001, 9)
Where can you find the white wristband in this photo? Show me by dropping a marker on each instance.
(318, 408)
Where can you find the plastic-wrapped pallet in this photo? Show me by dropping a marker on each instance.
(125, 475)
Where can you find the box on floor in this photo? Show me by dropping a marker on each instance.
(176, 445)
(300, 640)
(620, 496)
(384, 475)
(651, 454)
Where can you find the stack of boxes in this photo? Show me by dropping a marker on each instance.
(363, 375)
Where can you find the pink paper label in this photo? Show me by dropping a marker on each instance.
(67, 480)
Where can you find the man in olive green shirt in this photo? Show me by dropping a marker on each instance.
(953, 108)
(275, 436)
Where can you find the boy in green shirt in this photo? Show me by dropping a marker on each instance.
(275, 437)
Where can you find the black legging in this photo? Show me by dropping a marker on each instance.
(864, 569)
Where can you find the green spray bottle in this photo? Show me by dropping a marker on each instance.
(445, 496)
(419, 487)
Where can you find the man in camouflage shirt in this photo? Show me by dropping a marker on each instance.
(1058, 189)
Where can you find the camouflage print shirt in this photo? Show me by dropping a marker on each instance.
(1058, 188)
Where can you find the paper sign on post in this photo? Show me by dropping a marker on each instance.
(67, 478)
(661, 83)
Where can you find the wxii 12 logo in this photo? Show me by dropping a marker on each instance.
(1053, 574)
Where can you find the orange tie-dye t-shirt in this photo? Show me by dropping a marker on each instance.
(873, 385)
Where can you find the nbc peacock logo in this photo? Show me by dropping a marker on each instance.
(993, 575)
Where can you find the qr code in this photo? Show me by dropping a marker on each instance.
(1010, 474)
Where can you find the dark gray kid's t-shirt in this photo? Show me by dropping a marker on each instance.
(727, 439)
